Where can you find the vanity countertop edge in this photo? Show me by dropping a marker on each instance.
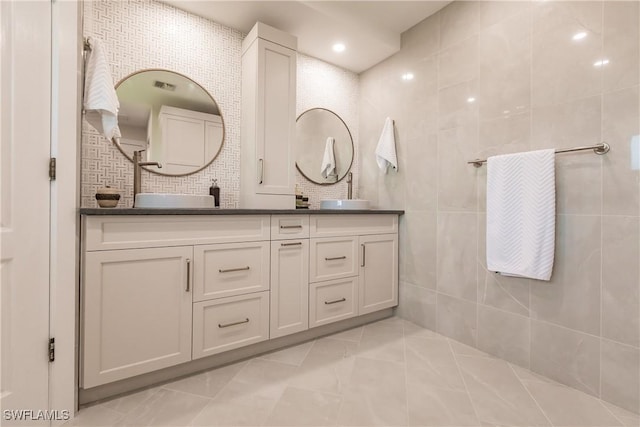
(218, 211)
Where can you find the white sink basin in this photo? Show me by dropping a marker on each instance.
(168, 201)
(344, 204)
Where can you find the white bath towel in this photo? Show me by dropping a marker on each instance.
(521, 214)
(328, 167)
(100, 100)
(386, 149)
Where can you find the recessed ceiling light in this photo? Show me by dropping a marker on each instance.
(471, 99)
(407, 76)
(339, 47)
(601, 63)
(580, 35)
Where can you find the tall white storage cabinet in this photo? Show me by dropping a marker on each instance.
(267, 177)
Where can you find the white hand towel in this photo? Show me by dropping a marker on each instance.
(521, 214)
(329, 159)
(386, 149)
(100, 100)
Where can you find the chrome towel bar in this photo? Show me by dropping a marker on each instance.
(599, 149)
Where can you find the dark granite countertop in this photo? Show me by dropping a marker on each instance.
(191, 211)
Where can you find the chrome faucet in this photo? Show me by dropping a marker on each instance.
(137, 172)
(350, 185)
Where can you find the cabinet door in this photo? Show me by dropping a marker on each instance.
(137, 312)
(378, 272)
(289, 287)
(276, 118)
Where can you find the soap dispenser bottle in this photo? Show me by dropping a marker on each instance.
(214, 190)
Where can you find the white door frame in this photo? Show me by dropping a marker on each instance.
(67, 45)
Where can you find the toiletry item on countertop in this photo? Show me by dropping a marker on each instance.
(214, 190)
(107, 197)
(302, 202)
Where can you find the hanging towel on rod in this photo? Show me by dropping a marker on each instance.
(521, 214)
(329, 159)
(386, 149)
(100, 100)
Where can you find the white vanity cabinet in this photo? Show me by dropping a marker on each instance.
(163, 290)
(155, 289)
(354, 266)
(137, 312)
(267, 166)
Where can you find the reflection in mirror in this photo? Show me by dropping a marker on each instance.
(170, 116)
(324, 147)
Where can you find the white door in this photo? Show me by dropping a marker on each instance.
(25, 113)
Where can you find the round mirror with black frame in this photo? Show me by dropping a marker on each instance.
(324, 146)
(172, 117)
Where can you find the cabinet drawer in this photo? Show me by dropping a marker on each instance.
(333, 258)
(332, 301)
(145, 231)
(352, 225)
(289, 227)
(230, 269)
(227, 323)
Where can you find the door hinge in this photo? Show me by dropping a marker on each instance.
(52, 168)
(52, 349)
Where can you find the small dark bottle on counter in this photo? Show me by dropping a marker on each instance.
(214, 190)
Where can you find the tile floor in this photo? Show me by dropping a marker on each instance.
(388, 373)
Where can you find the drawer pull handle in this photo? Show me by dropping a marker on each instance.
(188, 275)
(290, 226)
(335, 258)
(335, 301)
(364, 255)
(261, 174)
(231, 270)
(291, 244)
(226, 325)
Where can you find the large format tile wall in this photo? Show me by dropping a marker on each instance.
(502, 77)
(140, 34)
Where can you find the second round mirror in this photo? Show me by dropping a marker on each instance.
(324, 147)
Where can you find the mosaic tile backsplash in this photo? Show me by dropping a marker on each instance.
(145, 34)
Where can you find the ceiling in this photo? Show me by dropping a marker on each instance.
(370, 30)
